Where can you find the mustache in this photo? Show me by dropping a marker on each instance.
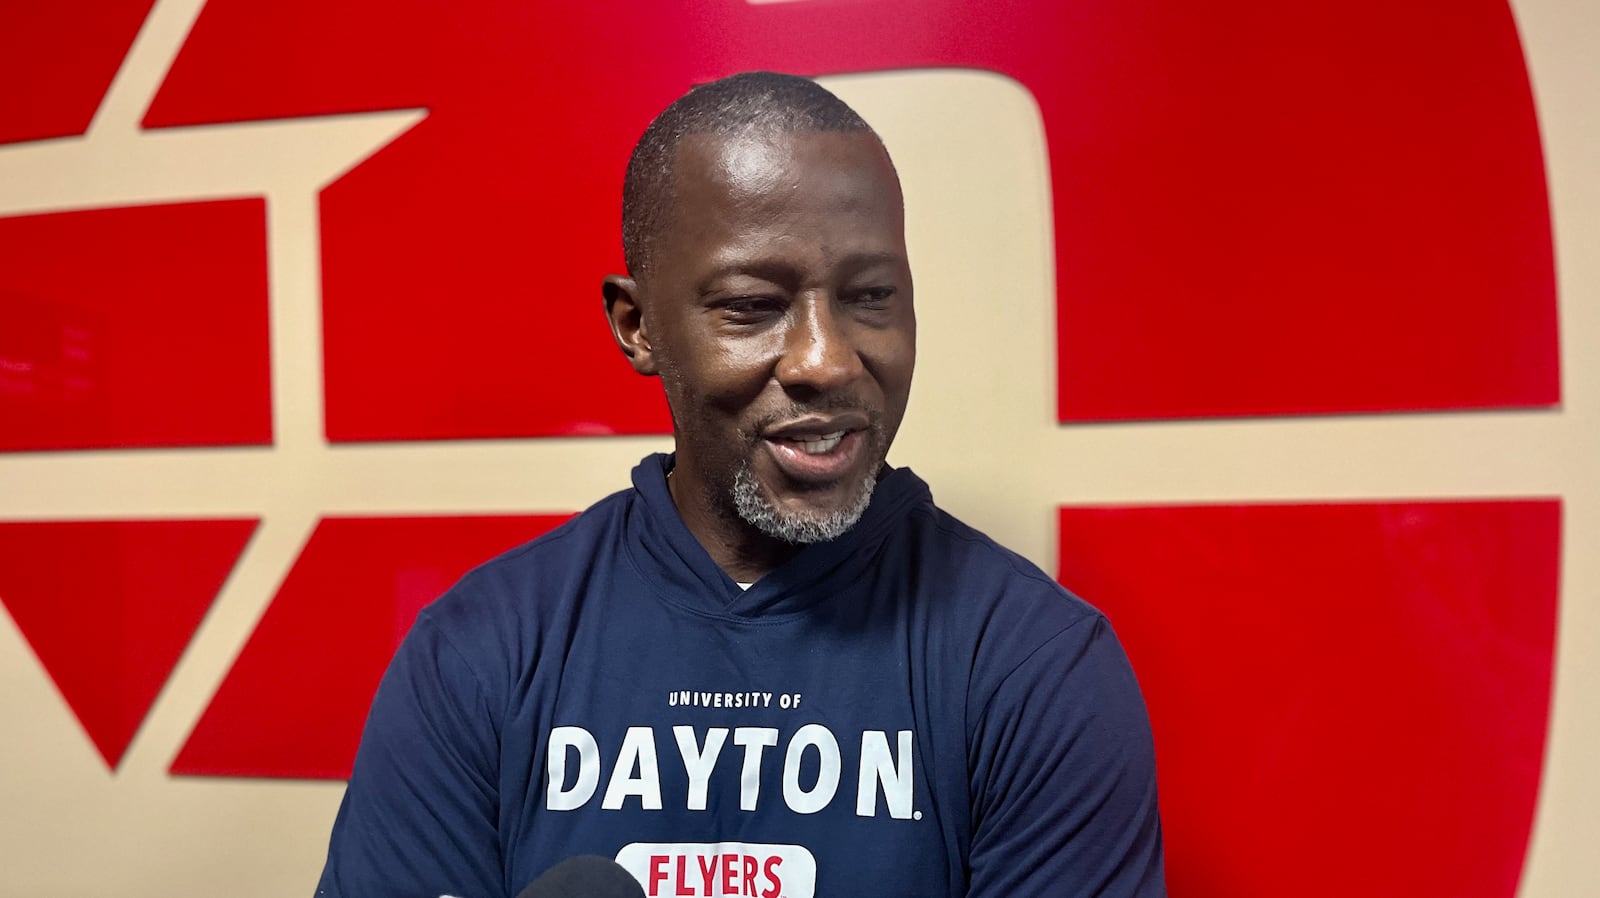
(819, 406)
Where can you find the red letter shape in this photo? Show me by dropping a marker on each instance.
(108, 606)
(56, 61)
(1359, 690)
(135, 327)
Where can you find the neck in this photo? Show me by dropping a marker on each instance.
(743, 552)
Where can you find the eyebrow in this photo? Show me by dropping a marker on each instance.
(782, 272)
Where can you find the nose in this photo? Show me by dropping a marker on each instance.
(818, 351)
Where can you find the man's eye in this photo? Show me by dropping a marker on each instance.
(874, 297)
(751, 308)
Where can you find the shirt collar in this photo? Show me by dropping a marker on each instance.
(671, 559)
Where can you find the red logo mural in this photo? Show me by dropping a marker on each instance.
(1258, 211)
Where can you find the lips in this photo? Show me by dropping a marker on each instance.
(817, 450)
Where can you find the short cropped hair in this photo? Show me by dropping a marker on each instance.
(759, 102)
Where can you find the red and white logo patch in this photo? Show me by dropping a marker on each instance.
(708, 869)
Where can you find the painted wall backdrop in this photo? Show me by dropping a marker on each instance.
(1267, 329)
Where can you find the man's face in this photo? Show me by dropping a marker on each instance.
(778, 313)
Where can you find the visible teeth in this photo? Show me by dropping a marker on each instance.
(817, 445)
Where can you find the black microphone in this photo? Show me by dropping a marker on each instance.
(584, 876)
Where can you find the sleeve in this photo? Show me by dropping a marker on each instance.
(1063, 777)
(419, 814)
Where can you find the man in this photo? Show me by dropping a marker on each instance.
(773, 667)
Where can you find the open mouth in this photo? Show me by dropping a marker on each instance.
(816, 458)
(818, 444)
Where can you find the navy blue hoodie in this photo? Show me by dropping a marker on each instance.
(908, 710)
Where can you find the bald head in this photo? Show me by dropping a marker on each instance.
(750, 103)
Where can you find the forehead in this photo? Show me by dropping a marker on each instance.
(752, 187)
(760, 162)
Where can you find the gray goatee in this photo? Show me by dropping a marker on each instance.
(796, 526)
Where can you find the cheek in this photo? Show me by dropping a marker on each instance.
(893, 359)
(733, 375)
(712, 397)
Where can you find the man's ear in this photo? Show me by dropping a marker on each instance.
(626, 314)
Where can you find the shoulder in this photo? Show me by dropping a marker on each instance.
(1019, 624)
(992, 580)
(501, 608)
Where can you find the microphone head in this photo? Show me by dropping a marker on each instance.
(584, 876)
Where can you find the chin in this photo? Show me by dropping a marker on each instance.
(755, 506)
